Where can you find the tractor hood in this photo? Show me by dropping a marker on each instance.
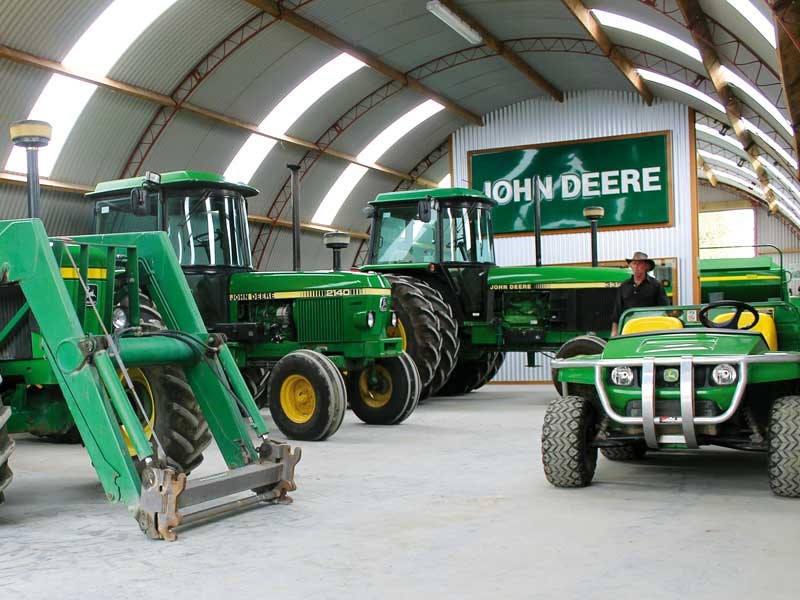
(310, 283)
(704, 342)
(522, 278)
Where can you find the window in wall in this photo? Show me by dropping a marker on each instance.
(727, 228)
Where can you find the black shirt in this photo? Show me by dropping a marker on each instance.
(648, 293)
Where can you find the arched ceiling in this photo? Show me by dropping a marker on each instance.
(191, 89)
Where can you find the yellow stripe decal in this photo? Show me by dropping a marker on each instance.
(555, 286)
(94, 273)
(243, 297)
(749, 277)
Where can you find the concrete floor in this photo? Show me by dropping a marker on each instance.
(452, 504)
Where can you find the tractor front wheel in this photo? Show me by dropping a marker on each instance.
(381, 393)
(568, 457)
(784, 447)
(306, 396)
(6, 448)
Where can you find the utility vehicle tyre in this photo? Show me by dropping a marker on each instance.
(583, 344)
(635, 451)
(381, 393)
(6, 448)
(306, 396)
(418, 324)
(784, 447)
(451, 344)
(470, 374)
(568, 458)
(416, 387)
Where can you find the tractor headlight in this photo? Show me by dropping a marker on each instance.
(393, 319)
(370, 320)
(723, 374)
(622, 376)
(119, 319)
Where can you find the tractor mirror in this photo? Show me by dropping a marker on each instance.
(140, 202)
(368, 211)
(424, 210)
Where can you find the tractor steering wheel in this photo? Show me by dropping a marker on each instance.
(733, 322)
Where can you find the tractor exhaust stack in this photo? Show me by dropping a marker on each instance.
(32, 135)
(295, 216)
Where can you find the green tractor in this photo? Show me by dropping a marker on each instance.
(308, 343)
(724, 373)
(459, 313)
(101, 342)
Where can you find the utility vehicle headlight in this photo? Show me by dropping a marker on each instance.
(370, 319)
(393, 319)
(622, 376)
(723, 374)
(119, 320)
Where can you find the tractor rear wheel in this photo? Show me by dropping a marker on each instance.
(306, 396)
(568, 458)
(583, 344)
(6, 448)
(451, 344)
(416, 387)
(470, 374)
(634, 451)
(382, 393)
(417, 324)
(784, 447)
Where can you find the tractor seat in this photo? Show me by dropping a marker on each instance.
(653, 323)
(765, 326)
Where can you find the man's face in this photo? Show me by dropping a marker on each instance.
(639, 268)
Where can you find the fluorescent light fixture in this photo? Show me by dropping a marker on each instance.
(728, 162)
(770, 142)
(718, 137)
(754, 16)
(681, 87)
(453, 21)
(99, 48)
(758, 98)
(253, 152)
(445, 182)
(615, 21)
(336, 196)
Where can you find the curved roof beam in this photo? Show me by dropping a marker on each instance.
(592, 27)
(787, 16)
(311, 28)
(505, 51)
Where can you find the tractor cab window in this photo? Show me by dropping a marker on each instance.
(115, 216)
(208, 227)
(467, 234)
(400, 237)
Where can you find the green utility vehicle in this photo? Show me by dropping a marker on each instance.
(307, 342)
(101, 342)
(722, 373)
(458, 313)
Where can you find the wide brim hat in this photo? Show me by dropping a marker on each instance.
(642, 256)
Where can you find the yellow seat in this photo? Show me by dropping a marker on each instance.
(653, 323)
(765, 326)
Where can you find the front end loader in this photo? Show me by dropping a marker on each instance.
(101, 341)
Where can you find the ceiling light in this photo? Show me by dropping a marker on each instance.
(754, 16)
(760, 99)
(681, 87)
(615, 21)
(453, 21)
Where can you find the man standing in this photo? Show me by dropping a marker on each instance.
(639, 290)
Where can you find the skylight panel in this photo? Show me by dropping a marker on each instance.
(739, 182)
(445, 182)
(336, 196)
(776, 172)
(725, 139)
(728, 162)
(286, 112)
(754, 16)
(771, 143)
(615, 21)
(94, 54)
(758, 98)
(681, 87)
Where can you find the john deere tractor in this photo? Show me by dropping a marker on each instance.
(307, 342)
(724, 373)
(459, 313)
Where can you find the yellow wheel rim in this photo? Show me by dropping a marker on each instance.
(398, 331)
(375, 386)
(298, 400)
(145, 393)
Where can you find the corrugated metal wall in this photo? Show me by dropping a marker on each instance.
(774, 230)
(582, 115)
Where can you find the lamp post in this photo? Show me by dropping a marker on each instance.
(593, 214)
(336, 241)
(32, 135)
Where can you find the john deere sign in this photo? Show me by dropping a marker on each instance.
(629, 176)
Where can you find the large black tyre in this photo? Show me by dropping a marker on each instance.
(634, 451)
(381, 393)
(418, 325)
(451, 344)
(470, 374)
(494, 361)
(784, 447)
(306, 396)
(568, 458)
(583, 344)
(416, 387)
(6, 448)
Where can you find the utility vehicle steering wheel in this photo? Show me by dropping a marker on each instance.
(732, 323)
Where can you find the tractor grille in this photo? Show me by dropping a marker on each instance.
(18, 343)
(318, 320)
